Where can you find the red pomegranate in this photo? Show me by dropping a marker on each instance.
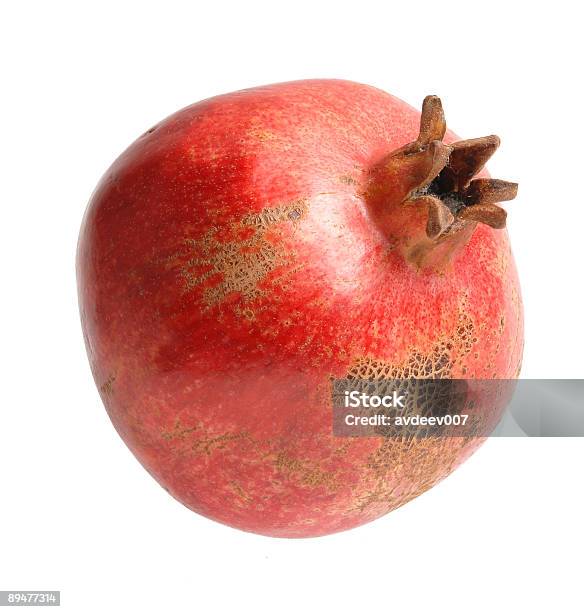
(250, 247)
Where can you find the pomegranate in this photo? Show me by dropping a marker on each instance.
(250, 247)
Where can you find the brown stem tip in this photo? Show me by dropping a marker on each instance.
(440, 177)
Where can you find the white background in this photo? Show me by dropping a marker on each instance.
(80, 81)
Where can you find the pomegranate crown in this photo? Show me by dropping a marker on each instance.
(440, 177)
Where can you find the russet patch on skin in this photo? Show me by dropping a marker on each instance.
(240, 260)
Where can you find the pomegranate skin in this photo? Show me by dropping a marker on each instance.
(228, 265)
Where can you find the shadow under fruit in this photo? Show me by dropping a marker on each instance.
(250, 247)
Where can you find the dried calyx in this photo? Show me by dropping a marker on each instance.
(440, 177)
